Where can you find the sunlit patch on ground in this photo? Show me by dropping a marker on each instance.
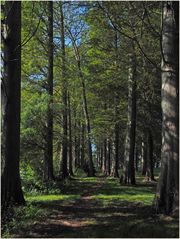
(52, 197)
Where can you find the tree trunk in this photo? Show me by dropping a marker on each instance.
(11, 183)
(109, 158)
(150, 163)
(105, 156)
(85, 108)
(63, 169)
(77, 143)
(144, 157)
(115, 163)
(129, 170)
(116, 158)
(167, 196)
(101, 158)
(49, 147)
(87, 120)
(70, 138)
(137, 158)
(82, 159)
(98, 155)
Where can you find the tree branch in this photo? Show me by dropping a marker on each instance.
(129, 37)
(34, 32)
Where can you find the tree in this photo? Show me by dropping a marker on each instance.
(129, 169)
(70, 136)
(49, 148)
(150, 161)
(109, 157)
(11, 183)
(85, 106)
(167, 196)
(38, 82)
(144, 156)
(64, 170)
(107, 85)
(116, 160)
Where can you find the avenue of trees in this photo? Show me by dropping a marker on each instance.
(90, 85)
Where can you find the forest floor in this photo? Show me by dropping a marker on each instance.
(94, 207)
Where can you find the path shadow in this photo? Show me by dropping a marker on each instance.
(89, 217)
(119, 219)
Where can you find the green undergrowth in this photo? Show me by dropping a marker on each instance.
(37, 187)
(114, 210)
(23, 216)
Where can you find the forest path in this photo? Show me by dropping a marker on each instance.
(100, 207)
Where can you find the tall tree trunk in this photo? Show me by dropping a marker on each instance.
(49, 147)
(167, 196)
(137, 158)
(101, 158)
(75, 140)
(108, 157)
(85, 107)
(82, 159)
(150, 163)
(70, 137)
(11, 183)
(116, 157)
(115, 163)
(63, 169)
(129, 169)
(105, 156)
(87, 120)
(98, 152)
(77, 143)
(144, 157)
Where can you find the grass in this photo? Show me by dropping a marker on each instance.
(88, 179)
(51, 197)
(112, 190)
(112, 210)
(24, 216)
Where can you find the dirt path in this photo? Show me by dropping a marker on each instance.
(89, 216)
(72, 216)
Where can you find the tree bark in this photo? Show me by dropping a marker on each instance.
(150, 163)
(63, 167)
(144, 157)
(49, 147)
(105, 156)
(115, 163)
(129, 169)
(167, 196)
(77, 143)
(108, 157)
(137, 158)
(101, 158)
(88, 126)
(11, 183)
(70, 137)
(98, 156)
(82, 159)
(116, 158)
